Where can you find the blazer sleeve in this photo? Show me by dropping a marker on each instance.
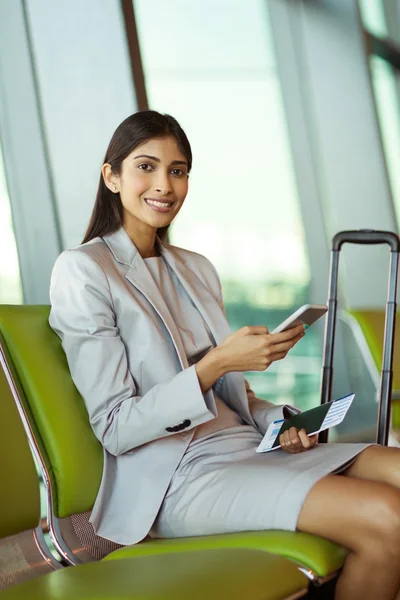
(82, 315)
(262, 411)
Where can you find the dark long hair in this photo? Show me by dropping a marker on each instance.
(140, 127)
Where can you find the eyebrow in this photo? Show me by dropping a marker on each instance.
(174, 162)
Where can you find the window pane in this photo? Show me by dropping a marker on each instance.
(373, 17)
(388, 106)
(10, 282)
(213, 69)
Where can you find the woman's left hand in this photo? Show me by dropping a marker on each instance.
(293, 441)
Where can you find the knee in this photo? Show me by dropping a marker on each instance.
(384, 521)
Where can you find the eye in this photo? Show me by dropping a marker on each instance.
(178, 172)
(145, 167)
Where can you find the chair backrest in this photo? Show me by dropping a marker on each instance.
(372, 324)
(19, 485)
(72, 453)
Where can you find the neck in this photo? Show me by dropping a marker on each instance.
(144, 238)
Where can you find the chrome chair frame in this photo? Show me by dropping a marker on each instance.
(61, 555)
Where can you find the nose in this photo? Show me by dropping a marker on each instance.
(162, 184)
(162, 190)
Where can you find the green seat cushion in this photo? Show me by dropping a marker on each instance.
(19, 489)
(321, 556)
(73, 454)
(217, 574)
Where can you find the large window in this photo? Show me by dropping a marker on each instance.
(10, 282)
(213, 68)
(386, 88)
(384, 62)
(373, 16)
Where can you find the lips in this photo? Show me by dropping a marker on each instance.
(159, 205)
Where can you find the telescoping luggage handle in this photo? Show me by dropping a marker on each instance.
(363, 236)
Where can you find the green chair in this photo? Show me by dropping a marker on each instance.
(371, 325)
(28, 570)
(71, 458)
(21, 556)
(213, 574)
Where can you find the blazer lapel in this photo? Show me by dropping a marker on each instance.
(138, 275)
(215, 318)
(204, 301)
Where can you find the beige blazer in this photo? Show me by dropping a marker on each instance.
(127, 360)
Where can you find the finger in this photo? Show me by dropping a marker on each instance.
(278, 348)
(284, 439)
(285, 443)
(305, 440)
(295, 441)
(276, 357)
(254, 330)
(288, 450)
(314, 440)
(290, 441)
(274, 340)
(298, 338)
(293, 436)
(289, 333)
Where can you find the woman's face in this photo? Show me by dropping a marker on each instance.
(153, 183)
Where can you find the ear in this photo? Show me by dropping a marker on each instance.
(110, 178)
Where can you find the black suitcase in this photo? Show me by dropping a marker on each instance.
(363, 236)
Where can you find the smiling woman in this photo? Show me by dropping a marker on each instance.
(144, 180)
(150, 350)
(152, 184)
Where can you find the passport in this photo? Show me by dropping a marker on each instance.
(313, 421)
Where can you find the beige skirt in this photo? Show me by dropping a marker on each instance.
(222, 485)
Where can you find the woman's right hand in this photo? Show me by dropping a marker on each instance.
(253, 348)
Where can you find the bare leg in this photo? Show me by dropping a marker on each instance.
(364, 517)
(377, 463)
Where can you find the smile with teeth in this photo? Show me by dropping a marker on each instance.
(159, 205)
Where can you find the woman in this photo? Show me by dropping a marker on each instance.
(150, 350)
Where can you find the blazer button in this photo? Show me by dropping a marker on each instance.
(169, 429)
(186, 423)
